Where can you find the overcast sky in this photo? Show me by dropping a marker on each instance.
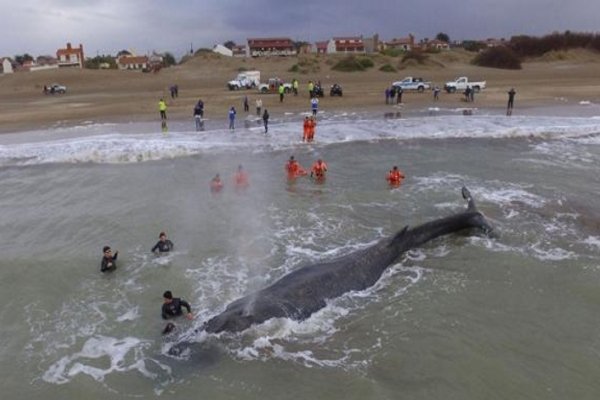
(106, 26)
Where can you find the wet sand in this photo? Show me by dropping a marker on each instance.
(125, 96)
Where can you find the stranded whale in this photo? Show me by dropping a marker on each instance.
(302, 292)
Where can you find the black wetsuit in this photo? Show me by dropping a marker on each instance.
(173, 309)
(163, 247)
(109, 264)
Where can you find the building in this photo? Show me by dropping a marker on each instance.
(405, 44)
(129, 62)
(492, 42)
(371, 44)
(350, 44)
(7, 66)
(220, 49)
(436, 44)
(70, 57)
(320, 47)
(239, 51)
(271, 47)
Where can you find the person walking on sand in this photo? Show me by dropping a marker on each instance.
(265, 118)
(387, 95)
(162, 108)
(109, 260)
(232, 118)
(281, 90)
(399, 95)
(511, 101)
(258, 107)
(246, 105)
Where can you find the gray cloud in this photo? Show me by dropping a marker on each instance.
(106, 26)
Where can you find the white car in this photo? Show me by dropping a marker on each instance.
(56, 88)
(460, 84)
(410, 83)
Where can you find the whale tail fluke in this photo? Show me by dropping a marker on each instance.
(467, 196)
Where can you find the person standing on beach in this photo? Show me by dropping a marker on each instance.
(314, 105)
(511, 101)
(265, 118)
(109, 260)
(295, 86)
(281, 90)
(387, 95)
(232, 118)
(258, 107)
(399, 98)
(436, 93)
(198, 114)
(246, 105)
(163, 245)
(162, 108)
(311, 89)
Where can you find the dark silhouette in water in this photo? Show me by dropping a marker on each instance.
(300, 293)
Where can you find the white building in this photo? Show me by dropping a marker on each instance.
(219, 48)
(7, 66)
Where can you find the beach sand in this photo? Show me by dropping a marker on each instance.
(96, 96)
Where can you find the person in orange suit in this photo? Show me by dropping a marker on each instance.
(318, 170)
(294, 169)
(240, 179)
(395, 177)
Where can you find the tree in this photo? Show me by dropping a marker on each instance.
(21, 59)
(168, 59)
(442, 37)
(230, 44)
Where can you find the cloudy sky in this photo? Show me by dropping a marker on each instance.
(107, 26)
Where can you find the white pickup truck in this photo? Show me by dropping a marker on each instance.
(461, 84)
(410, 83)
(245, 80)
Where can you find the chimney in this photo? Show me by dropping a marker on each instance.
(68, 46)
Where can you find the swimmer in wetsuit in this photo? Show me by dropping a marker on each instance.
(172, 306)
(163, 245)
(109, 260)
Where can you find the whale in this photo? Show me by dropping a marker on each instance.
(307, 289)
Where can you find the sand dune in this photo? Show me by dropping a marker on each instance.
(99, 96)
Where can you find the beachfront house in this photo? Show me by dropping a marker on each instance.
(70, 56)
(436, 44)
(404, 44)
(240, 50)
(7, 66)
(130, 62)
(261, 47)
(349, 44)
(320, 47)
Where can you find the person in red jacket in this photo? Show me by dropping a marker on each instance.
(294, 169)
(395, 176)
(240, 179)
(318, 170)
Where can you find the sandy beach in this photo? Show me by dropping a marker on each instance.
(567, 78)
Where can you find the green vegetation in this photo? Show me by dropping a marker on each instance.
(306, 65)
(415, 55)
(528, 46)
(168, 59)
(498, 57)
(443, 37)
(351, 64)
(392, 52)
(387, 68)
(101, 62)
(473, 45)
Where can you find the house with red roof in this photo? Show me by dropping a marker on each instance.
(320, 47)
(260, 47)
(70, 56)
(349, 44)
(131, 62)
(406, 43)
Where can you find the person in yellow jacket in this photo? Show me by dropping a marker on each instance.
(311, 88)
(162, 107)
(281, 92)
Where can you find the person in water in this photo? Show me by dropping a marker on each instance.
(318, 170)
(163, 245)
(240, 179)
(511, 101)
(109, 260)
(294, 169)
(395, 176)
(173, 307)
(306, 129)
(216, 185)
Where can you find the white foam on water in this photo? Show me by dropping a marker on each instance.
(111, 144)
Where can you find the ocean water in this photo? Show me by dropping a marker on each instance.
(464, 317)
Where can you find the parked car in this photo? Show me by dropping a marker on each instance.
(55, 88)
(411, 83)
(245, 80)
(336, 90)
(272, 86)
(462, 83)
